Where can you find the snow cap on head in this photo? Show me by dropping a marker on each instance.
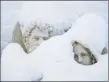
(91, 31)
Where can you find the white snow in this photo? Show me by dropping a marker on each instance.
(91, 30)
(53, 59)
(55, 56)
(61, 14)
(9, 14)
(15, 65)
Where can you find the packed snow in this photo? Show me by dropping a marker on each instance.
(54, 60)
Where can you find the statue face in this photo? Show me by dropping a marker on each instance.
(83, 55)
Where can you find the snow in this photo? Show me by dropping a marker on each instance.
(59, 12)
(9, 14)
(62, 14)
(57, 61)
(93, 30)
(53, 59)
(15, 65)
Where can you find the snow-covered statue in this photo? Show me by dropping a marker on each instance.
(33, 34)
(57, 57)
(54, 57)
(90, 37)
(83, 55)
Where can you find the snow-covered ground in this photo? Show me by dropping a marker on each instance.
(53, 59)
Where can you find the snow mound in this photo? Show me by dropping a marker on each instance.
(91, 30)
(55, 56)
(55, 59)
(15, 65)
